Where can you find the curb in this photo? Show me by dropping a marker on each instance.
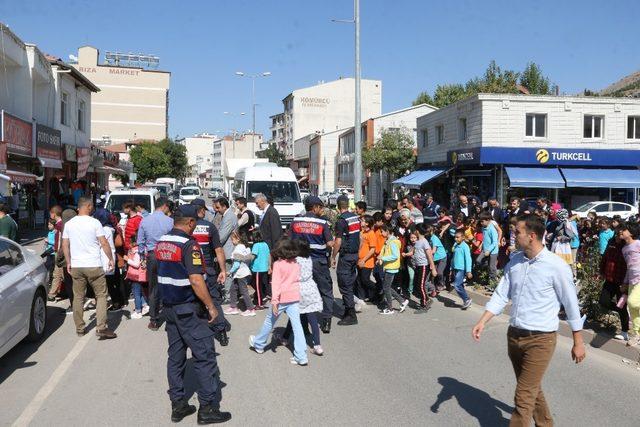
(602, 340)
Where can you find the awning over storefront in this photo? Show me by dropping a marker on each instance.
(602, 178)
(21, 177)
(416, 178)
(110, 170)
(50, 163)
(535, 177)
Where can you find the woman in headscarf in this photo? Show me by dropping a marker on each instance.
(562, 235)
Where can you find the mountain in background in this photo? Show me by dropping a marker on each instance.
(628, 86)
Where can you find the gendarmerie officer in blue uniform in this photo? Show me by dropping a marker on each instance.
(347, 244)
(206, 234)
(188, 311)
(315, 230)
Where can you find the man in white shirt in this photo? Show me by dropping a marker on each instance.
(83, 239)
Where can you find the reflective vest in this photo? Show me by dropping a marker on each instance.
(351, 236)
(311, 229)
(173, 277)
(202, 235)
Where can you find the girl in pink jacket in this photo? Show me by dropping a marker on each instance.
(285, 296)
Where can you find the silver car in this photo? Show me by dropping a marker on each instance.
(23, 295)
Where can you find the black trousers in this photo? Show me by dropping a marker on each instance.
(116, 288)
(608, 298)
(347, 275)
(220, 324)
(322, 277)
(154, 289)
(365, 288)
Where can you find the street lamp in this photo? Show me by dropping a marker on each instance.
(253, 78)
(357, 167)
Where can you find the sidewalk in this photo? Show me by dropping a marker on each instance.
(33, 239)
(602, 340)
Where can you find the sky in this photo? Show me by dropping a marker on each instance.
(411, 45)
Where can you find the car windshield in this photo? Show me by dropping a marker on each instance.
(190, 192)
(279, 192)
(114, 205)
(161, 189)
(586, 207)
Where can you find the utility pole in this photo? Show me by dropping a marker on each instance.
(253, 78)
(357, 167)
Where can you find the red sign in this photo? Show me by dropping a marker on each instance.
(3, 155)
(21, 177)
(84, 160)
(18, 135)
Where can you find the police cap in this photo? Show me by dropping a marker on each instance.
(186, 211)
(313, 201)
(198, 202)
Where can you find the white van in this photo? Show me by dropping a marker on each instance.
(189, 194)
(146, 196)
(278, 184)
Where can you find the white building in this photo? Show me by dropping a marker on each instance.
(326, 107)
(375, 183)
(322, 161)
(572, 148)
(200, 153)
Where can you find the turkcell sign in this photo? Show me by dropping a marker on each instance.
(546, 156)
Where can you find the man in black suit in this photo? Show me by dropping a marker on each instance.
(270, 225)
(494, 209)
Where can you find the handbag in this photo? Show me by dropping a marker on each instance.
(137, 274)
(563, 250)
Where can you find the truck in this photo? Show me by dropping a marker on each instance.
(171, 181)
(278, 184)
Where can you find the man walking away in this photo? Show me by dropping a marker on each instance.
(270, 225)
(228, 224)
(537, 282)
(82, 240)
(152, 228)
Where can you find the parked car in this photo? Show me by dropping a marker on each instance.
(23, 295)
(606, 208)
(146, 196)
(189, 194)
(332, 199)
(325, 197)
(215, 193)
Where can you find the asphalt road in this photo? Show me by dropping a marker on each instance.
(406, 369)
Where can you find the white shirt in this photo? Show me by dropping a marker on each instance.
(83, 233)
(108, 233)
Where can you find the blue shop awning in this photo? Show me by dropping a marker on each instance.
(602, 178)
(535, 177)
(416, 178)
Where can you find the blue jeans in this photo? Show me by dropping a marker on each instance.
(293, 313)
(458, 283)
(138, 296)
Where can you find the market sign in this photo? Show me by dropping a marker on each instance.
(18, 134)
(48, 142)
(84, 160)
(545, 156)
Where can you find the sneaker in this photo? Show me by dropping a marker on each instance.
(466, 304)
(623, 336)
(232, 310)
(69, 311)
(252, 346)
(404, 305)
(293, 361)
(358, 307)
(248, 313)
(317, 350)
(145, 310)
(386, 311)
(136, 315)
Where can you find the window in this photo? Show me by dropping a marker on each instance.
(64, 109)
(440, 134)
(278, 191)
(462, 129)
(620, 207)
(633, 127)
(81, 107)
(604, 207)
(425, 138)
(593, 126)
(536, 126)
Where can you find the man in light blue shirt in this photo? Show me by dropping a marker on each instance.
(537, 282)
(152, 228)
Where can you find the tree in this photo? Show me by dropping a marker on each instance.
(177, 157)
(494, 81)
(274, 155)
(393, 153)
(150, 161)
(448, 94)
(533, 79)
(423, 98)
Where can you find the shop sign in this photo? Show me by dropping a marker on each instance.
(84, 160)
(464, 156)
(70, 153)
(3, 155)
(48, 142)
(559, 157)
(18, 134)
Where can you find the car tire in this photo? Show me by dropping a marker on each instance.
(37, 317)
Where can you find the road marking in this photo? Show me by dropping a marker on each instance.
(34, 406)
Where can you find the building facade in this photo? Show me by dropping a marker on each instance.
(277, 131)
(572, 149)
(375, 184)
(326, 107)
(200, 153)
(322, 161)
(133, 102)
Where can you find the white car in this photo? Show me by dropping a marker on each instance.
(606, 208)
(332, 199)
(304, 194)
(189, 194)
(23, 295)
(117, 198)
